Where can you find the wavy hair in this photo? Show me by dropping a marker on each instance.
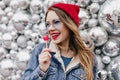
(76, 43)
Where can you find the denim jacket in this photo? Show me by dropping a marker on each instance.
(56, 71)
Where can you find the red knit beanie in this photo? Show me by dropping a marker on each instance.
(71, 9)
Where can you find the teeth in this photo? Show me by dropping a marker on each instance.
(55, 34)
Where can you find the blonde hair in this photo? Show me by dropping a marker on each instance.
(76, 43)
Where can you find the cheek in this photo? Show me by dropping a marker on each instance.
(65, 34)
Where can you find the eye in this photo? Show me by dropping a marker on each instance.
(56, 22)
(47, 25)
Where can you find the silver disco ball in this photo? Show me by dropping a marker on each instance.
(48, 3)
(83, 3)
(22, 58)
(98, 1)
(112, 47)
(23, 4)
(35, 6)
(2, 5)
(20, 20)
(106, 59)
(4, 20)
(92, 22)
(102, 75)
(2, 13)
(94, 8)
(99, 60)
(22, 41)
(86, 39)
(114, 68)
(97, 51)
(35, 18)
(84, 17)
(14, 4)
(109, 16)
(6, 67)
(2, 52)
(7, 40)
(98, 35)
(7, 2)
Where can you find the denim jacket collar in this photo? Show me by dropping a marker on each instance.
(75, 60)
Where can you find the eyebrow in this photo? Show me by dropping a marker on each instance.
(53, 20)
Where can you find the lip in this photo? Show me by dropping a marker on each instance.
(54, 35)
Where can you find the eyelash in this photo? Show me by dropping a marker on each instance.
(54, 23)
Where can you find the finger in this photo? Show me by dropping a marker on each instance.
(44, 55)
(44, 60)
(46, 50)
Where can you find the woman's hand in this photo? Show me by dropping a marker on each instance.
(44, 59)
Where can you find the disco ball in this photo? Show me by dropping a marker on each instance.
(98, 1)
(48, 3)
(102, 75)
(22, 41)
(7, 2)
(2, 13)
(10, 15)
(83, 3)
(35, 19)
(112, 47)
(8, 9)
(86, 39)
(6, 67)
(23, 4)
(84, 17)
(109, 16)
(106, 59)
(7, 40)
(0, 40)
(35, 37)
(98, 35)
(4, 20)
(2, 52)
(2, 5)
(94, 8)
(114, 68)
(14, 5)
(99, 60)
(20, 20)
(92, 22)
(22, 58)
(35, 6)
(97, 51)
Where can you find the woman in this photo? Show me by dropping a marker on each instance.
(66, 58)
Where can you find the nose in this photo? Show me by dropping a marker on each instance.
(51, 27)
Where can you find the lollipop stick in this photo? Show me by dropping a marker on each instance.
(46, 44)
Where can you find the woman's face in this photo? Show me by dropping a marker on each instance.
(58, 32)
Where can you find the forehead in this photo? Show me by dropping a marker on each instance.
(51, 16)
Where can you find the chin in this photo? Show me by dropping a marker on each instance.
(56, 42)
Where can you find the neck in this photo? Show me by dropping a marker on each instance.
(64, 47)
(66, 52)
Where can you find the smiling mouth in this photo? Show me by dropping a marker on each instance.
(55, 36)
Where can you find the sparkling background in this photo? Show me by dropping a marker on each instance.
(22, 27)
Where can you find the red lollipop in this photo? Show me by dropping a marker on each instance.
(46, 38)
